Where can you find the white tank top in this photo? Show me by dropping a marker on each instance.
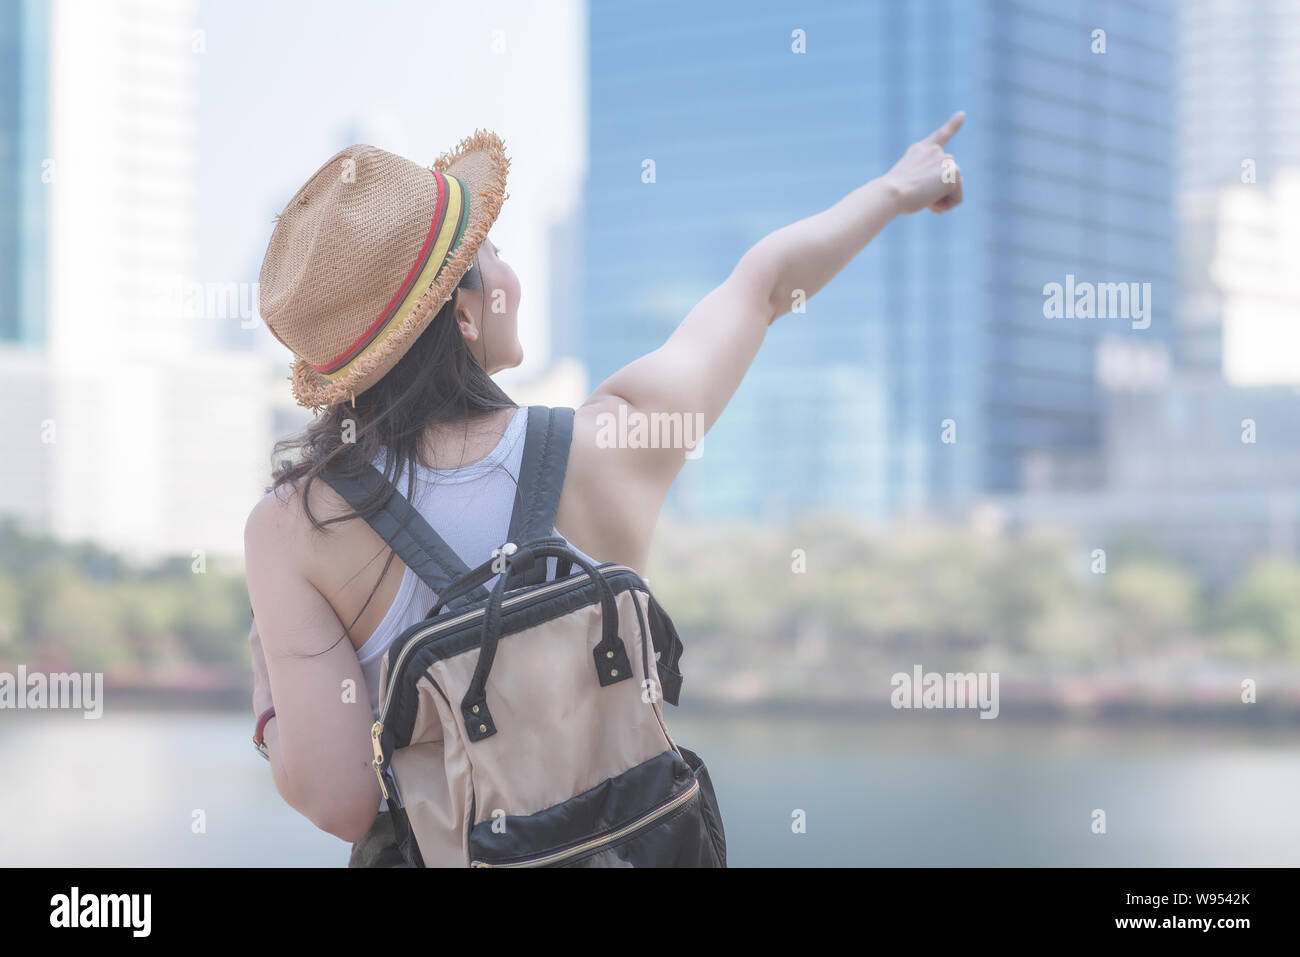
(470, 509)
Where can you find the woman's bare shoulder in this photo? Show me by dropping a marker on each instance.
(610, 502)
(279, 521)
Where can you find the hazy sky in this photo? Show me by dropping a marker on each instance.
(285, 85)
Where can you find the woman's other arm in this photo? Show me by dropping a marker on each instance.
(319, 740)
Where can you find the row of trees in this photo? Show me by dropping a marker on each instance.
(741, 594)
(926, 588)
(86, 609)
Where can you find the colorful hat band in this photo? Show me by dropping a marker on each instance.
(445, 232)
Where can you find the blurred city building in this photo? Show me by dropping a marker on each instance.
(1238, 86)
(706, 137)
(1197, 470)
(24, 170)
(1257, 249)
(1151, 144)
(1200, 457)
(24, 257)
(133, 432)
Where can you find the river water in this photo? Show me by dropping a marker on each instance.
(152, 788)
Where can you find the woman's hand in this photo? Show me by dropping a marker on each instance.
(261, 682)
(927, 177)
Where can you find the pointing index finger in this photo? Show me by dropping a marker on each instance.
(944, 133)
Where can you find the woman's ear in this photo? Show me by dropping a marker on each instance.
(468, 327)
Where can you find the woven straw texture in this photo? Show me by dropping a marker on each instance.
(345, 244)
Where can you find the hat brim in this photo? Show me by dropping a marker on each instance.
(480, 162)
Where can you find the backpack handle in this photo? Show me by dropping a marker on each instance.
(470, 581)
(612, 664)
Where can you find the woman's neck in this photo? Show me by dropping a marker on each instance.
(452, 445)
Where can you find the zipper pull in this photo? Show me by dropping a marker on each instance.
(375, 731)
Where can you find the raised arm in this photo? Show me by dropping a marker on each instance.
(700, 366)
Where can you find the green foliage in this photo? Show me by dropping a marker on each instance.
(11, 618)
(868, 598)
(922, 593)
(1263, 611)
(78, 606)
(1152, 602)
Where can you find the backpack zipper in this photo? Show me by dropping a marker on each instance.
(597, 842)
(377, 729)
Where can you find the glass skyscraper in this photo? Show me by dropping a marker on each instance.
(938, 329)
(24, 103)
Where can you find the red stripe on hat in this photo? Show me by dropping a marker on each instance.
(387, 313)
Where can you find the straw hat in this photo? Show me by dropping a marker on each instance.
(365, 255)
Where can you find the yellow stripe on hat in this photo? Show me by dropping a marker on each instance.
(453, 227)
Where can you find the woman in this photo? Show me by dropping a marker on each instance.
(382, 280)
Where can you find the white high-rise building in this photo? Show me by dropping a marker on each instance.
(1255, 258)
(149, 425)
(1239, 129)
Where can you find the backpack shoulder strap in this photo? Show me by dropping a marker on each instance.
(541, 473)
(541, 479)
(411, 537)
(537, 499)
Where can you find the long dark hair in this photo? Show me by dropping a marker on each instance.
(437, 381)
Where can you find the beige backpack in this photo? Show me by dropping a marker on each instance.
(523, 727)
